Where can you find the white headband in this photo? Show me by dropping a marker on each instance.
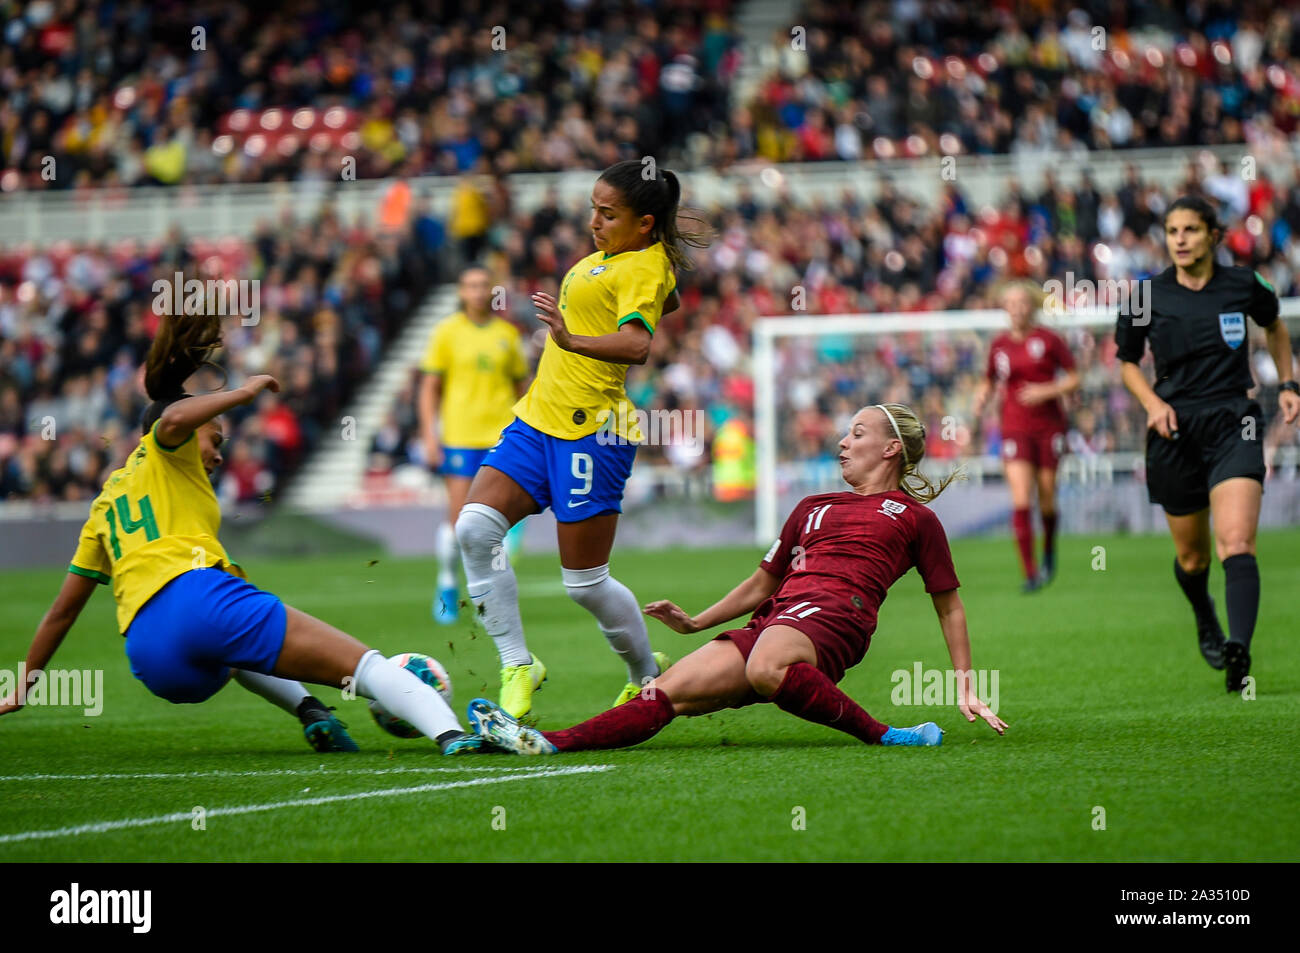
(897, 433)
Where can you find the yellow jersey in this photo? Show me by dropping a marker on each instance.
(480, 367)
(573, 396)
(156, 518)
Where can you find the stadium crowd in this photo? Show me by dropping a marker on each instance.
(894, 254)
(135, 93)
(76, 323)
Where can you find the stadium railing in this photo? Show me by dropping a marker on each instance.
(220, 210)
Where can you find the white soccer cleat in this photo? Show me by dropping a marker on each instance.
(501, 730)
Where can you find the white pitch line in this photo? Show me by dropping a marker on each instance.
(263, 773)
(101, 827)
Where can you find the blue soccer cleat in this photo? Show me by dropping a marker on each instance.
(926, 735)
(329, 734)
(444, 605)
(497, 728)
(464, 744)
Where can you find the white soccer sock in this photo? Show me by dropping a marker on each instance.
(490, 580)
(403, 695)
(447, 556)
(619, 616)
(278, 691)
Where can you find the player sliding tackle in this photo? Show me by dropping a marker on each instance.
(814, 599)
(190, 618)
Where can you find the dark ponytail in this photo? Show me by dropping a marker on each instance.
(660, 196)
(183, 344)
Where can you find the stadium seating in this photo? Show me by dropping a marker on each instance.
(128, 95)
(75, 324)
(889, 255)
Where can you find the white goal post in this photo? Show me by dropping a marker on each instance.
(767, 332)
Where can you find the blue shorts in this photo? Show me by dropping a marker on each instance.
(461, 461)
(578, 479)
(185, 640)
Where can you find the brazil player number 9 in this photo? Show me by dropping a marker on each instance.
(574, 436)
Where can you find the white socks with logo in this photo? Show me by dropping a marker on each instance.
(404, 696)
(490, 580)
(619, 616)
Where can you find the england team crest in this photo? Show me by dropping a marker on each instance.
(1233, 328)
(891, 508)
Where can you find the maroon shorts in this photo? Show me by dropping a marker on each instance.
(839, 631)
(1042, 448)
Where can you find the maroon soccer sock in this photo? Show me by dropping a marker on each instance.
(1024, 528)
(629, 724)
(806, 691)
(1049, 536)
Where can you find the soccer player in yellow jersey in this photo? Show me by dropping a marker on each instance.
(190, 618)
(473, 371)
(574, 438)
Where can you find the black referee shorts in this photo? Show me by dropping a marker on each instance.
(1214, 444)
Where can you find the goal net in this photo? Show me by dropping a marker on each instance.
(812, 373)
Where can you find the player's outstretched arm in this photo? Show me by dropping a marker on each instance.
(742, 600)
(1279, 346)
(63, 612)
(952, 620)
(184, 417)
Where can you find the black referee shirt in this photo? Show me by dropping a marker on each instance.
(1198, 338)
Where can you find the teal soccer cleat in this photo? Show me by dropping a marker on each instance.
(926, 735)
(466, 743)
(329, 734)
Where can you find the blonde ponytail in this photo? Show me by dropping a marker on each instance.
(911, 434)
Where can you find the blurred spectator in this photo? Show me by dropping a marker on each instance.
(128, 93)
(118, 94)
(76, 323)
(893, 254)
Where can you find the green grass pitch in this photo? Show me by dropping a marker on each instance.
(1109, 705)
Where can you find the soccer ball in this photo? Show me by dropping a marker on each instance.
(430, 671)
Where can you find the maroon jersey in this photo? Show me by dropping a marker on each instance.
(1035, 360)
(855, 547)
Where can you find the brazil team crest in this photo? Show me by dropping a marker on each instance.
(1233, 328)
(597, 270)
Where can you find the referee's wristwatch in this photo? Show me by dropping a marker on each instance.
(1292, 386)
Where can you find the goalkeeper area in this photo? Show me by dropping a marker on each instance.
(813, 372)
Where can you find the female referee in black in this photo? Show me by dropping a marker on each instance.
(1204, 438)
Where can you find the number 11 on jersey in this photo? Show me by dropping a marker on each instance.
(815, 517)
